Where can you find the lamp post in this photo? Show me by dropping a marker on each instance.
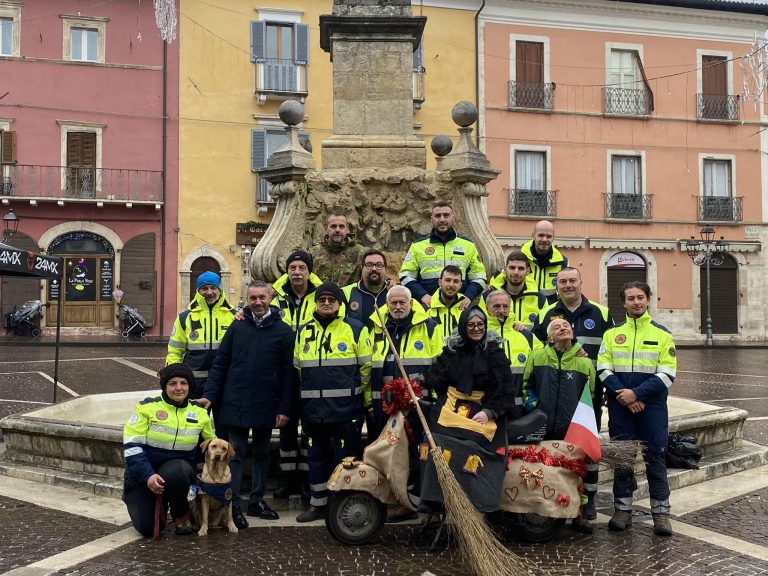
(10, 225)
(706, 252)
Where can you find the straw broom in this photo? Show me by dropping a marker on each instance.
(478, 546)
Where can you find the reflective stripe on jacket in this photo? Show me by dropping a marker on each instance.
(295, 315)
(523, 307)
(158, 431)
(638, 354)
(447, 318)
(589, 322)
(334, 364)
(197, 333)
(427, 257)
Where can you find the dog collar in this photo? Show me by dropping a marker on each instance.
(222, 493)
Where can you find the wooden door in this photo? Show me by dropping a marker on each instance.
(724, 295)
(87, 292)
(81, 164)
(617, 277)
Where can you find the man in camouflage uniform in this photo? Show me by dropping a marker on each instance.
(337, 258)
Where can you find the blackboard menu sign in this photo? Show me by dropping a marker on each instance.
(81, 279)
(106, 280)
(54, 289)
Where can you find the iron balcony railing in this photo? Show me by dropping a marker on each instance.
(419, 88)
(717, 107)
(527, 202)
(281, 76)
(81, 183)
(627, 101)
(628, 206)
(535, 95)
(720, 208)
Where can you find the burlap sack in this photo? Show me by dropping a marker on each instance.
(532, 487)
(389, 454)
(356, 475)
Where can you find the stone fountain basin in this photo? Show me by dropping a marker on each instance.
(83, 435)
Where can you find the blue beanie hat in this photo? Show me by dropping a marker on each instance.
(208, 278)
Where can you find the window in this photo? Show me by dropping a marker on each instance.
(714, 100)
(529, 85)
(530, 195)
(85, 44)
(625, 198)
(10, 21)
(625, 175)
(84, 38)
(419, 88)
(280, 49)
(264, 142)
(717, 202)
(81, 144)
(627, 92)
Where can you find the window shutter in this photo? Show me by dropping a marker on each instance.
(258, 148)
(302, 44)
(74, 148)
(258, 32)
(8, 147)
(418, 58)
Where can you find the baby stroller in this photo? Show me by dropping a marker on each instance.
(25, 320)
(133, 323)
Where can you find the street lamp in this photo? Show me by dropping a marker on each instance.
(10, 225)
(703, 253)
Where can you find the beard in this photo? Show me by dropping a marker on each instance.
(400, 315)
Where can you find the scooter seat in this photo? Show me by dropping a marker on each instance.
(528, 428)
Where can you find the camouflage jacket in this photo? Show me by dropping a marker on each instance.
(341, 265)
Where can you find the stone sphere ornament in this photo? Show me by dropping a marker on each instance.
(464, 113)
(442, 145)
(291, 112)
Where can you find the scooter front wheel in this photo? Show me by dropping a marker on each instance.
(355, 517)
(535, 528)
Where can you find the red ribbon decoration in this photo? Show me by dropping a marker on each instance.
(532, 455)
(401, 399)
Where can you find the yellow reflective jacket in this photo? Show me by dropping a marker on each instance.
(545, 278)
(334, 364)
(447, 318)
(523, 307)
(295, 315)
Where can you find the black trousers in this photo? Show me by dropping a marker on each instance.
(179, 475)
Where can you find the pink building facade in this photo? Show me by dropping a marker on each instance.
(89, 121)
(623, 124)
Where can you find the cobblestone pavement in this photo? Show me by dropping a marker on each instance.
(727, 535)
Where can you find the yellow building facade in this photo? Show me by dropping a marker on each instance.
(238, 63)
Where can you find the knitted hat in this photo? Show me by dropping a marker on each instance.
(208, 278)
(174, 371)
(301, 256)
(330, 289)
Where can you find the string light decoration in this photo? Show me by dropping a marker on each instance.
(754, 70)
(165, 16)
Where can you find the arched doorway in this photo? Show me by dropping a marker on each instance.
(724, 287)
(86, 296)
(200, 265)
(15, 291)
(623, 267)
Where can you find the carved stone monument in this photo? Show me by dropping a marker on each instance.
(373, 164)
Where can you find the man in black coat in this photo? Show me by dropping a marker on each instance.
(251, 384)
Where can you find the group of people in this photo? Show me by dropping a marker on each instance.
(312, 349)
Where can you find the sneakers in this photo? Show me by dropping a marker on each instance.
(590, 513)
(238, 518)
(661, 525)
(582, 525)
(401, 514)
(262, 510)
(621, 520)
(312, 514)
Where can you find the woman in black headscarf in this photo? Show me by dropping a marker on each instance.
(475, 389)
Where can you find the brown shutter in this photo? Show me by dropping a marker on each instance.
(81, 149)
(8, 146)
(714, 75)
(529, 62)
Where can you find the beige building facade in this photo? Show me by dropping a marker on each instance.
(623, 123)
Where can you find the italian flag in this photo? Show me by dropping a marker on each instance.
(583, 431)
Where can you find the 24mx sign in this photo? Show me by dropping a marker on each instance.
(47, 265)
(7, 257)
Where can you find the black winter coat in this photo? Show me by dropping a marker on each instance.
(252, 378)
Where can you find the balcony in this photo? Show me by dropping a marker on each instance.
(717, 107)
(280, 80)
(532, 95)
(628, 206)
(627, 102)
(720, 209)
(64, 183)
(526, 202)
(419, 89)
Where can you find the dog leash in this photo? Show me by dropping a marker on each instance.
(158, 513)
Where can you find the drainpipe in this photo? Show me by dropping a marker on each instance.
(477, 68)
(165, 169)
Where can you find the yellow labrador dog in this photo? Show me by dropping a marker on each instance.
(213, 504)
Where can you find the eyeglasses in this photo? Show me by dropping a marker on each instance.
(326, 299)
(476, 326)
(371, 266)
